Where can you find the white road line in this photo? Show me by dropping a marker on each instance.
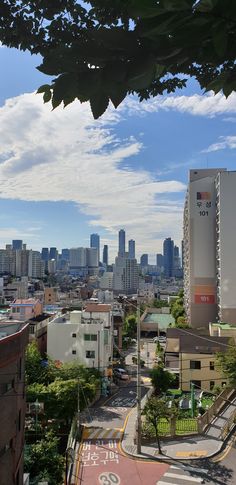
(183, 477)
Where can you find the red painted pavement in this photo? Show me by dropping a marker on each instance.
(102, 463)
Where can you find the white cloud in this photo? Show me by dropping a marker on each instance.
(223, 143)
(64, 155)
(208, 105)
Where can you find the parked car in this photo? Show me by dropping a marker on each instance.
(161, 339)
(120, 374)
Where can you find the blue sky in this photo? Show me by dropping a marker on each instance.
(64, 175)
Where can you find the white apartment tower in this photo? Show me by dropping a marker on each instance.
(201, 230)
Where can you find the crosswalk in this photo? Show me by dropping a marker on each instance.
(93, 433)
(178, 476)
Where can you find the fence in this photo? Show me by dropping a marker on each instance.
(213, 410)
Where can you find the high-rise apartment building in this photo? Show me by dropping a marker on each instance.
(159, 260)
(17, 244)
(95, 243)
(125, 275)
(105, 254)
(168, 253)
(144, 260)
(65, 254)
(121, 250)
(131, 249)
(208, 246)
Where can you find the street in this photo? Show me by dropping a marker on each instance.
(101, 460)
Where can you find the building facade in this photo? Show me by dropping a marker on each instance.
(13, 341)
(83, 335)
(131, 249)
(203, 224)
(168, 253)
(95, 243)
(121, 249)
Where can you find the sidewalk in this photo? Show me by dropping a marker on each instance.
(185, 448)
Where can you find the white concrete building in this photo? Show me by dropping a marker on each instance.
(209, 247)
(85, 336)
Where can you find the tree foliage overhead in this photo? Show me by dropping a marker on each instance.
(110, 49)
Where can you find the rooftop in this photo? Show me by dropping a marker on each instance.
(161, 319)
(9, 328)
(97, 307)
(20, 301)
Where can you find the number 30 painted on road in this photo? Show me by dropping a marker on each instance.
(109, 478)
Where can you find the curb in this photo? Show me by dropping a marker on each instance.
(164, 458)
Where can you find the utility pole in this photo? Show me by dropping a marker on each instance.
(78, 408)
(139, 422)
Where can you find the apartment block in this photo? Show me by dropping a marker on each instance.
(201, 287)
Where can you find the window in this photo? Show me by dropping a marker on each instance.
(90, 354)
(212, 365)
(74, 335)
(212, 384)
(195, 364)
(73, 352)
(90, 338)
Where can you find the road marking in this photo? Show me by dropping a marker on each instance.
(101, 433)
(191, 453)
(183, 477)
(109, 478)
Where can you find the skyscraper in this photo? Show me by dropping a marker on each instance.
(121, 250)
(65, 254)
(17, 244)
(53, 253)
(159, 260)
(131, 249)
(168, 252)
(105, 254)
(208, 217)
(45, 254)
(144, 260)
(95, 243)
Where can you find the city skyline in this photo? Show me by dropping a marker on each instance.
(129, 169)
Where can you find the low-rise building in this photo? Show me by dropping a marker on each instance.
(192, 356)
(13, 341)
(85, 336)
(24, 310)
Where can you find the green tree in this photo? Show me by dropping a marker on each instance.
(160, 303)
(177, 307)
(42, 460)
(130, 327)
(154, 410)
(110, 49)
(181, 322)
(227, 362)
(161, 379)
(38, 369)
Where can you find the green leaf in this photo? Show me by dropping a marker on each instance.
(118, 96)
(43, 88)
(55, 102)
(141, 74)
(220, 39)
(47, 96)
(99, 103)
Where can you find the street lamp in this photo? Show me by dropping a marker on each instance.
(139, 421)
